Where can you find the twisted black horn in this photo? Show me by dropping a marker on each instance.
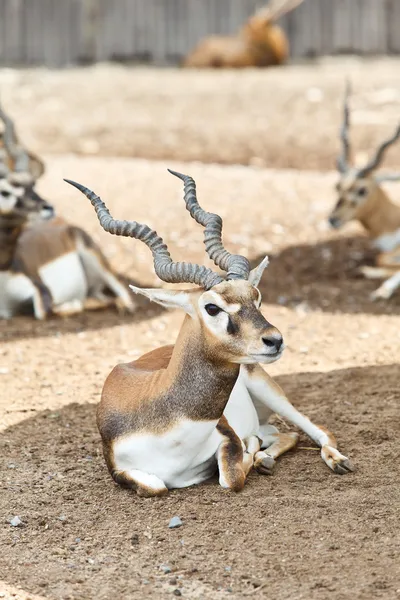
(165, 267)
(236, 266)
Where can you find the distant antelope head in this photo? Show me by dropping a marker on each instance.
(19, 202)
(225, 311)
(20, 205)
(359, 190)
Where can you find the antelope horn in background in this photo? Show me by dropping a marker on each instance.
(12, 146)
(165, 267)
(237, 266)
(344, 157)
(277, 8)
(377, 159)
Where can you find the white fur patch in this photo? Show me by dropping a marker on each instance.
(211, 297)
(65, 278)
(14, 291)
(181, 457)
(167, 298)
(388, 241)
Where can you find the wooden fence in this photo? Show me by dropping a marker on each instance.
(62, 32)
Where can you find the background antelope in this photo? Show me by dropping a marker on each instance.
(260, 42)
(44, 262)
(169, 418)
(362, 198)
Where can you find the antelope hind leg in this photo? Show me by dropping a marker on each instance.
(67, 309)
(144, 484)
(234, 463)
(273, 445)
(387, 288)
(374, 272)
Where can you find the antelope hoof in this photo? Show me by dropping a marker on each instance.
(124, 306)
(148, 492)
(369, 272)
(338, 463)
(382, 293)
(264, 464)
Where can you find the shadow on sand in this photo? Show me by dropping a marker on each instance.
(324, 276)
(27, 327)
(84, 537)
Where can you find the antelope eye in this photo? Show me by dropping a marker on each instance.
(212, 309)
(362, 191)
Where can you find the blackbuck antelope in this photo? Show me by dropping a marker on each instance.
(260, 42)
(168, 419)
(45, 262)
(362, 198)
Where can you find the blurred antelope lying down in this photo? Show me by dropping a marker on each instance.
(362, 198)
(170, 418)
(260, 43)
(45, 263)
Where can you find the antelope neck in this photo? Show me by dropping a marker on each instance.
(382, 217)
(200, 382)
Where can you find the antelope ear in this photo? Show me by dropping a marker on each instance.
(256, 274)
(167, 298)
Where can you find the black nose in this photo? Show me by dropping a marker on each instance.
(334, 222)
(274, 342)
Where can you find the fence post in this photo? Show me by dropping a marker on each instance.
(89, 28)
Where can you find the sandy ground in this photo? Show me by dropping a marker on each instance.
(283, 117)
(303, 533)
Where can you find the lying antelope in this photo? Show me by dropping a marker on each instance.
(362, 198)
(260, 42)
(45, 262)
(168, 419)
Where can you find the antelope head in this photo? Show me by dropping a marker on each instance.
(224, 310)
(358, 189)
(19, 170)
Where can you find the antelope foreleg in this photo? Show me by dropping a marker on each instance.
(387, 288)
(264, 389)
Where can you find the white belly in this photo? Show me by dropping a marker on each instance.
(65, 278)
(15, 290)
(186, 455)
(181, 457)
(388, 241)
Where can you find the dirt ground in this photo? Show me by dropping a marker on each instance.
(303, 533)
(279, 118)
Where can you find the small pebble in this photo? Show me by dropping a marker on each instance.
(175, 522)
(16, 522)
(173, 581)
(177, 592)
(165, 569)
(135, 539)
